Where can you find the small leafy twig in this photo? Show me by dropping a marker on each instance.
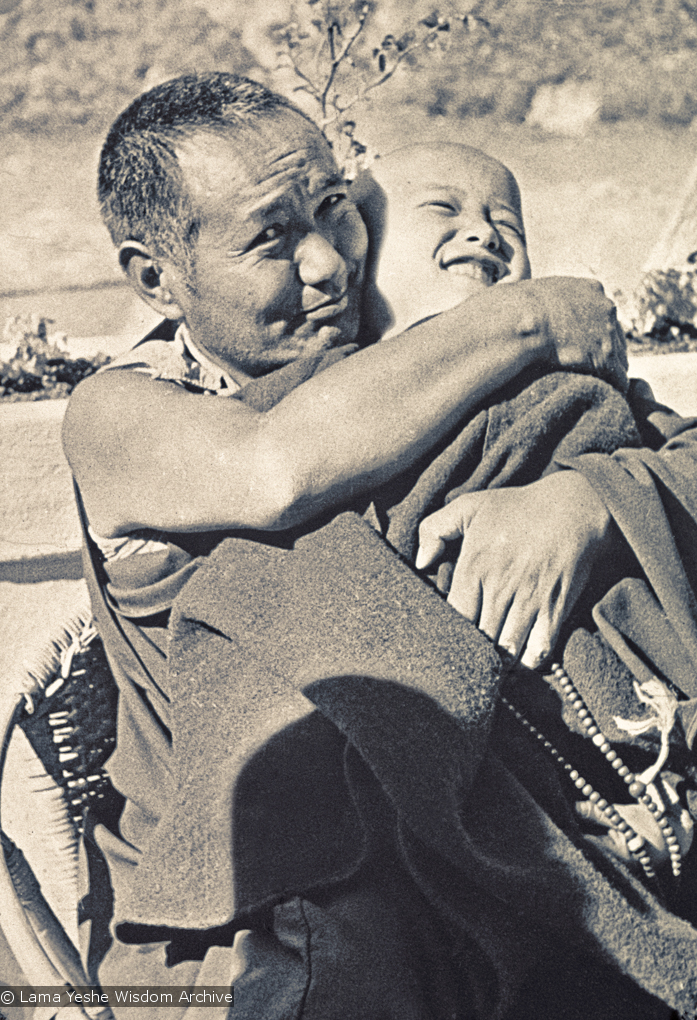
(403, 51)
(322, 57)
(338, 60)
(291, 37)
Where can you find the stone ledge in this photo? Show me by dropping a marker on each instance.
(24, 411)
(37, 511)
(672, 377)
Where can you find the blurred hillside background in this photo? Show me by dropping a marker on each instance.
(593, 104)
(69, 63)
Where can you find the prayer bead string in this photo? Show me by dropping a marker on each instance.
(636, 788)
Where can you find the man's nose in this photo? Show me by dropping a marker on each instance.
(320, 265)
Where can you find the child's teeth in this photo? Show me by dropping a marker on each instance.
(472, 269)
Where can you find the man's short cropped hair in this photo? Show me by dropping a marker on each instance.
(141, 191)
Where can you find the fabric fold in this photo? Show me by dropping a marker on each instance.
(287, 658)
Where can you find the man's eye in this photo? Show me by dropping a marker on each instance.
(330, 202)
(271, 233)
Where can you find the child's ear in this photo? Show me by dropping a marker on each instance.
(150, 279)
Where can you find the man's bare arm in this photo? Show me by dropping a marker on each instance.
(148, 454)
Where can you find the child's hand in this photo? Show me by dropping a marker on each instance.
(526, 555)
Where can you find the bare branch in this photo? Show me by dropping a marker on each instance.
(308, 85)
(362, 93)
(325, 54)
(337, 60)
(332, 48)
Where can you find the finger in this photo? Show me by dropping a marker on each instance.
(430, 548)
(544, 633)
(440, 527)
(541, 641)
(494, 612)
(587, 809)
(517, 627)
(466, 597)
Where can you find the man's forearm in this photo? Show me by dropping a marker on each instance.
(372, 415)
(149, 454)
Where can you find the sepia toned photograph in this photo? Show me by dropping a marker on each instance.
(348, 510)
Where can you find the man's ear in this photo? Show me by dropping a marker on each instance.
(150, 279)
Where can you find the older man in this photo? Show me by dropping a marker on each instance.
(232, 222)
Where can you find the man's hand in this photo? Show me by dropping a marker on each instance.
(345, 431)
(582, 328)
(526, 555)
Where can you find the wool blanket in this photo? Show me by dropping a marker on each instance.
(300, 675)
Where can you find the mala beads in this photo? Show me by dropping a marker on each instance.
(635, 787)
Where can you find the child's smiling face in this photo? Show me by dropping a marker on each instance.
(453, 227)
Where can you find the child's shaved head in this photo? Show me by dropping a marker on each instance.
(452, 224)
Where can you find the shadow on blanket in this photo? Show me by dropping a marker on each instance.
(295, 671)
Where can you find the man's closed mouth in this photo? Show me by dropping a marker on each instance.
(329, 308)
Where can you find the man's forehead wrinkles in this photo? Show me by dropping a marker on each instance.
(296, 161)
(287, 164)
(272, 188)
(294, 157)
(266, 202)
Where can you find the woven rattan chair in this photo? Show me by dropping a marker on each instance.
(57, 722)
